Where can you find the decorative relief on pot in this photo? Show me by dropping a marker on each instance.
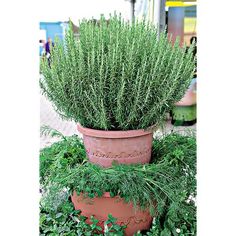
(124, 221)
(111, 155)
(85, 200)
(126, 147)
(125, 213)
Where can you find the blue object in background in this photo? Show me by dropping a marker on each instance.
(52, 30)
(176, 23)
(191, 11)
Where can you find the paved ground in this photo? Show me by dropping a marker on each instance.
(49, 117)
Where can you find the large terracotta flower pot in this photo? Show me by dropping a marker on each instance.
(125, 213)
(104, 147)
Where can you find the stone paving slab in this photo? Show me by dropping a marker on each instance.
(49, 117)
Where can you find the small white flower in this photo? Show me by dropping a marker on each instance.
(177, 231)
(105, 228)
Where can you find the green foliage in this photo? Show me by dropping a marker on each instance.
(169, 180)
(61, 222)
(176, 221)
(60, 156)
(113, 229)
(46, 130)
(180, 219)
(117, 75)
(180, 152)
(69, 222)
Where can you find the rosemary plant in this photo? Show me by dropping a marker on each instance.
(117, 75)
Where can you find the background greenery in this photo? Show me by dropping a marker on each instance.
(116, 75)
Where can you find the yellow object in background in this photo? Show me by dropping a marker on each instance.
(190, 24)
(179, 4)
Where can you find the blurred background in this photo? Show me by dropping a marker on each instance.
(178, 16)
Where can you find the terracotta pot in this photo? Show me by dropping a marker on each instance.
(189, 98)
(125, 213)
(104, 147)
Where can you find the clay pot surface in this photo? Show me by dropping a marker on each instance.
(104, 147)
(125, 213)
(190, 97)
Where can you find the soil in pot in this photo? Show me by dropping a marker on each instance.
(127, 147)
(100, 207)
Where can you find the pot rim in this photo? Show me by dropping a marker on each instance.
(113, 134)
(105, 195)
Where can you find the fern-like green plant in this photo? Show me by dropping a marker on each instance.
(117, 75)
(170, 177)
(46, 130)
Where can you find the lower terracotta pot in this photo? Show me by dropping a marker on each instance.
(104, 147)
(125, 213)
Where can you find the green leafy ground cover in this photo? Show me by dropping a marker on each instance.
(170, 180)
